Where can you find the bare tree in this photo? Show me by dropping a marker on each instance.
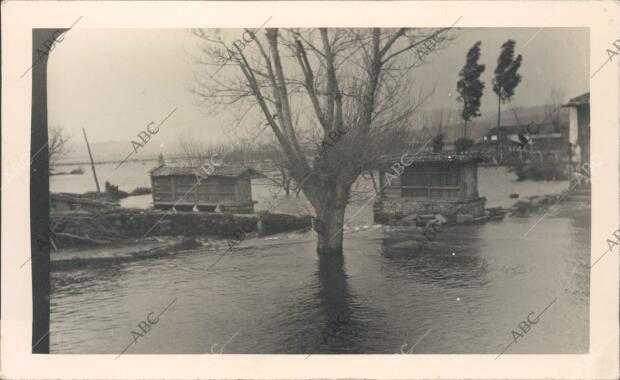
(194, 153)
(278, 159)
(553, 106)
(57, 146)
(437, 120)
(352, 80)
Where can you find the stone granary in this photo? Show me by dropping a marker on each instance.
(430, 184)
(227, 188)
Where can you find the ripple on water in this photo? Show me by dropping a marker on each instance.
(281, 299)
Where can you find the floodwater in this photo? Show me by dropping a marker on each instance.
(128, 176)
(495, 183)
(463, 293)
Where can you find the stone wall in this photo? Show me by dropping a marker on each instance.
(403, 210)
(131, 223)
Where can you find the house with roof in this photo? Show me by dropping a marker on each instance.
(443, 183)
(526, 142)
(579, 138)
(227, 188)
(510, 138)
(579, 129)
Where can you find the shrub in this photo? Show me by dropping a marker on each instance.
(463, 144)
(113, 192)
(519, 169)
(545, 170)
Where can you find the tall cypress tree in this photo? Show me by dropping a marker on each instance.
(470, 86)
(506, 80)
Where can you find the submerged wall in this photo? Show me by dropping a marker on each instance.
(408, 210)
(132, 223)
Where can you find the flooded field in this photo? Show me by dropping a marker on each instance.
(464, 292)
(495, 183)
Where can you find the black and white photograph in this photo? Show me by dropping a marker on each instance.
(272, 189)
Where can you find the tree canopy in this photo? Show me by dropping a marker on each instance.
(346, 85)
(506, 76)
(470, 87)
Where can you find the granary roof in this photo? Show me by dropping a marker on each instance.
(218, 171)
(509, 129)
(427, 157)
(580, 100)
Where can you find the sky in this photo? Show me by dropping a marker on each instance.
(114, 82)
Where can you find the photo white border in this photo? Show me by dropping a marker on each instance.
(18, 20)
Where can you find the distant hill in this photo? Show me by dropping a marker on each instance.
(116, 151)
(452, 128)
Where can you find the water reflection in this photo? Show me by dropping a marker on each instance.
(341, 325)
(438, 261)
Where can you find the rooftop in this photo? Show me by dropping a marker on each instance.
(505, 128)
(232, 171)
(580, 100)
(535, 128)
(443, 157)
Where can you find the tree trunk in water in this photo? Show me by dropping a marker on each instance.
(329, 224)
(465, 131)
